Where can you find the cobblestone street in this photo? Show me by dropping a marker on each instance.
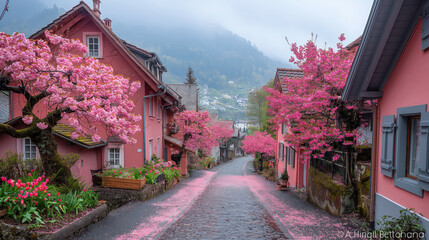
(227, 202)
(226, 210)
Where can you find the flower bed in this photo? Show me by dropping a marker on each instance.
(31, 201)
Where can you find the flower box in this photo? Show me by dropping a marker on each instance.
(282, 185)
(113, 182)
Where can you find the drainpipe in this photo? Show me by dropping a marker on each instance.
(164, 89)
(175, 104)
(373, 175)
(11, 105)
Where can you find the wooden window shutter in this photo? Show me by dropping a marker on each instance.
(423, 175)
(292, 157)
(287, 154)
(387, 145)
(280, 151)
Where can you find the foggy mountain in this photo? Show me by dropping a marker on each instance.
(217, 56)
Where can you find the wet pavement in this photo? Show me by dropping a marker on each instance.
(227, 202)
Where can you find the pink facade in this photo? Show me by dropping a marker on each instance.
(407, 86)
(288, 157)
(79, 23)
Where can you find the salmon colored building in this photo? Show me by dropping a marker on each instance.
(287, 157)
(154, 101)
(391, 66)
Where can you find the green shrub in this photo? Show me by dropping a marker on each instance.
(72, 184)
(12, 165)
(407, 224)
(70, 158)
(265, 164)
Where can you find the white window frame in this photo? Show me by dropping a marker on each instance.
(157, 147)
(96, 46)
(120, 160)
(87, 35)
(31, 144)
(150, 107)
(150, 149)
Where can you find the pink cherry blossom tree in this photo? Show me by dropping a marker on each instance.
(260, 142)
(222, 132)
(57, 84)
(312, 106)
(194, 132)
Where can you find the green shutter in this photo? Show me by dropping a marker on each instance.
(424, 152)
(387, 145)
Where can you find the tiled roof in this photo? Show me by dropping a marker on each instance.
(176, 142)
(287, 72)
(354, 43)
(64, 131)
(189, 94)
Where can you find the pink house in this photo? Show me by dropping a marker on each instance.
(392, 65)
(154, 100)
(287, 156)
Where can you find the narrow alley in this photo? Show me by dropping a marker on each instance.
(227, 202)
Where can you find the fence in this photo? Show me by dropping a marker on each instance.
(336, 169)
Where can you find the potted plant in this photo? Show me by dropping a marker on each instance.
(283, 182)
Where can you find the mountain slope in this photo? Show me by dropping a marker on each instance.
(226, 65)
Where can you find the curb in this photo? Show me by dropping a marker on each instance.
(76, 227)
(72, 229)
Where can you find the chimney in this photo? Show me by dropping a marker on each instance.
(96, 8)
(108, 23)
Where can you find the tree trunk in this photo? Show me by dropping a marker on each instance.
(53, 164)
(182, 149)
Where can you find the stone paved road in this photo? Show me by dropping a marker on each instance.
(227, 202)
(227, 209)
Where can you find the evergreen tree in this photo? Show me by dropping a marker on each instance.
(190, 78)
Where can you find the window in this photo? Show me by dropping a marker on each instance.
(155, 107)
(114, 157)
(150, 148)
(159, 110)
(281, 151)
(413, 133)
(157, 147)
(408, 140)
(150, 107)
(93, 43)
(29, 149)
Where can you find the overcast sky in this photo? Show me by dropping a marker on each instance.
(265, 23)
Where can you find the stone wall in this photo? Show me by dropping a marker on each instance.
(325, 193)
(118, 197)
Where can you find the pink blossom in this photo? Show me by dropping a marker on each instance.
(27, 119)
(42, 125)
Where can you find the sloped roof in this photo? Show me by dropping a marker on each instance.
(354, 44)
(72, 17)
(390, 25)
(65, 131)
(176, 142)
(286, 72)
(189, 94)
